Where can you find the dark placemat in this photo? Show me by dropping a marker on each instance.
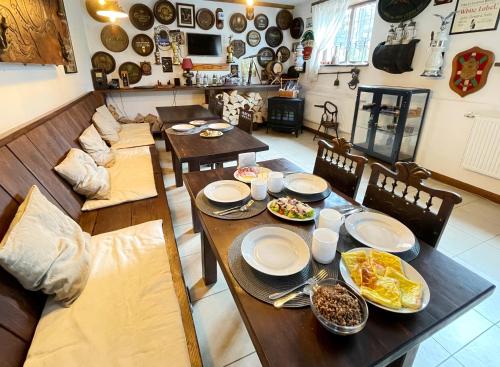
(196, 130)
(260, 285)
(206, 206)
(300, 197)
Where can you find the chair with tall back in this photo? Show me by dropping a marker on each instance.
(329, 118)
(245, 120)
(404, 195)
(338, 166)
(216, 105)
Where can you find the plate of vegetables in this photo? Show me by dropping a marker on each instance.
(291, 209)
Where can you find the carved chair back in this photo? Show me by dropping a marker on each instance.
(338, 166)
(219, 107)
(245, 120)
(404, 195)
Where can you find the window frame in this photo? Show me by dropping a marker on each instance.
(353, 7)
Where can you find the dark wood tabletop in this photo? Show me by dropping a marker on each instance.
(293, 337)
(196, 150)
(183, 114)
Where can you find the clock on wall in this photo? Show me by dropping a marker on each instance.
(395, 11)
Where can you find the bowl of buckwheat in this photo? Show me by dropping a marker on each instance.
(338, 307)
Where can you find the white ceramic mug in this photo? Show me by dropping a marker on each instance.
(258, 188)
(275, 182)
(324, 245)
(331, 219)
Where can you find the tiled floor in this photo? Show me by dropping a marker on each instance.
(472, 237)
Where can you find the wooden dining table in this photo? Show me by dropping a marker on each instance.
(171, 115)
(195, 150)
(293, 337)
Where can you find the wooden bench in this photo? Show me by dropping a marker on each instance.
(27, 158)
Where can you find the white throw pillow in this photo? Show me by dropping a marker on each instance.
(92, 143)
(105, 128)
(46, 250)
(106, 113)
(80, 170)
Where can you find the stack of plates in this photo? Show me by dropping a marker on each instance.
(227, 192)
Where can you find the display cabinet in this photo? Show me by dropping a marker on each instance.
(388, 121)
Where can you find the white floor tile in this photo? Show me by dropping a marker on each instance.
(454, 241)
(430, 353)
(221, 333)
(451, 362)
(462, 331)
(483, 352)
(249, 361)
(485, 258)
(188, 242)
(480, 219)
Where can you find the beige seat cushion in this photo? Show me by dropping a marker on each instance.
(46, 250)
(80, 170)
(134, 135)
(92, 143)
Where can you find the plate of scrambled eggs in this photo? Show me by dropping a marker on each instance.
(385, 280)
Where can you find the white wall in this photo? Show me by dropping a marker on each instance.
(146, 102)
(27, 92)
(446, 129)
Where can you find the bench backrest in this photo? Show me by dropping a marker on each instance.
(27, 158)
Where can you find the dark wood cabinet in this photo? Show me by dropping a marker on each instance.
(285, 114)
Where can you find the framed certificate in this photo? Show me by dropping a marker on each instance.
(475, 16)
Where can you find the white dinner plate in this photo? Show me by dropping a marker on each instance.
(285, 217)
(260, 172)
(409, 271)
(227, 191)
(219, 126)
(182, 127)
(275, 251)
(380, 231)
(198, 122)
(305, 183)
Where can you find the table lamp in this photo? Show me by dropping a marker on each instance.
(187, 66)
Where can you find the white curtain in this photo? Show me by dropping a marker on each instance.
(327, 20)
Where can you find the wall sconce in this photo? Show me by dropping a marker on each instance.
(250, 10)
(110, 9)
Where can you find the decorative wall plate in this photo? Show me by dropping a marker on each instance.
(395, 11)
(103, 60)
(274, 36)
(283, 54)
(92, 7)
(297, 28)
(141, 17)
(164, 12)
(239, 48)
(146, 68)
(253, 38)
(284, 19)
(134, 71)
(470, 70)
(205, 18)
(261, 22)
(219, 16)
(265, 56)
(143, 44)
(114, 38)
(238, 23)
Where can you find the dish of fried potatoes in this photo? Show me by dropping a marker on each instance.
(382, 279)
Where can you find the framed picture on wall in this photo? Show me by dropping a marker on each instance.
(473, 16)
(185, 15)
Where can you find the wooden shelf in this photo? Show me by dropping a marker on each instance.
(267, 87)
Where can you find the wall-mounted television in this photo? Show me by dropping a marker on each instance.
(199, 44)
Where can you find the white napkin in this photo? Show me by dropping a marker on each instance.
(247, 159)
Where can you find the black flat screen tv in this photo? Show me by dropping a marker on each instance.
(204, 44)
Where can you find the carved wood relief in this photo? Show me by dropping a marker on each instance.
(34, 32)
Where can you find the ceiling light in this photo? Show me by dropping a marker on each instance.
(250, 2)
(111, 10)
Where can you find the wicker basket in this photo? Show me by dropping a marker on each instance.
(288, 93)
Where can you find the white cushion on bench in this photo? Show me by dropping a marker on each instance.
(134, 135)
(132, 178)
(127, 315)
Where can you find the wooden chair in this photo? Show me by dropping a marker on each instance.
(339, 167)
(403, 195)
(329, 119)
(216, 105)
(245, 120)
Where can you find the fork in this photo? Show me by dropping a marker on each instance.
(244, 208)
(322, 274)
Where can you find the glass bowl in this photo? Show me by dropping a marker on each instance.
(331, 326)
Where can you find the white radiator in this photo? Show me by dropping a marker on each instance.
(482, 154)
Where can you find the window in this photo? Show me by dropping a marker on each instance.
(352, 43)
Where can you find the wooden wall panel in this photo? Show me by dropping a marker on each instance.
(8, 209)
(58, 147)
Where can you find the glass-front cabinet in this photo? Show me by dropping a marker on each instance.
(388, 121)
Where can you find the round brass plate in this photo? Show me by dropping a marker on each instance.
(114, 38)
(284, 19)
(284, 52)
(205, 18)
(261, 22)
(141, 17)
(274, 36)
(92, 7)
(253, 38)
(103, 60)
(134, 71)
(143, 44)
(238, 23)
(164, 12)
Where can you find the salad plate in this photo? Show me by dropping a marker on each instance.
(291, 209)
(247, 174)
(198, 122)
(275, 251)
(182, 127)
(227, 191)
(380, 231)
(219, 126)
(305, 184)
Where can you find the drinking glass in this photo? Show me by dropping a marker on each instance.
(258, 188)
(331, 219)
(324, 245)
(275, 182)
